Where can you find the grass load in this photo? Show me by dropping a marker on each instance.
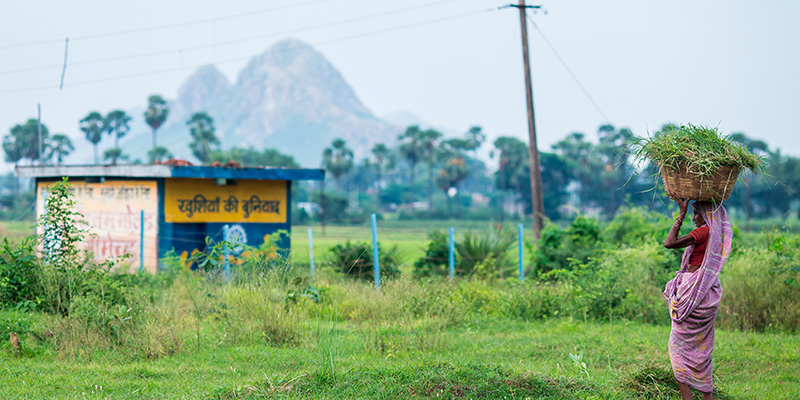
(697, 162)
(702, 149)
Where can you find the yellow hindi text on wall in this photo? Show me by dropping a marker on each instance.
(201, 200)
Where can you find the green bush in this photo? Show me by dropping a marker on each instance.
(561, 249)
(476, 254)
(436, 259)
(625, 283)
(354, 260)
(485, 254)
(761, 289)
(19, 268)
(632, 225)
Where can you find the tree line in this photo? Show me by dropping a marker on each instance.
(22, 143)
(578, 175)
(426, 174)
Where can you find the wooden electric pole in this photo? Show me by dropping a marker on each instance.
(533, 152)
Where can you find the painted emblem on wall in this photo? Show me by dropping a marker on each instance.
(237, 236)
(200, 200)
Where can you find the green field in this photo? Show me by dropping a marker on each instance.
(15, 230)
(485, 358)
(598, 330)
(411, 237)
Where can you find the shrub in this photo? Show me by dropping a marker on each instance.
(436, 258)
(19, 268)
(632, 225)
(485, 254)
(761, 290)
(626, 283)
(354, 260)
(560, 249)
(482, 254)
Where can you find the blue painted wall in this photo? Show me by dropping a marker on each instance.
(187, 237)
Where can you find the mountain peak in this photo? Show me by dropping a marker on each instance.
(202, 90)
(290, 98)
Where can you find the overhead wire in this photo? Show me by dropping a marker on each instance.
(233, 41)
(162, 27)
(247, 57)
(569, 70)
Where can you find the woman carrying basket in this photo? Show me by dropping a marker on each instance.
(693, 295)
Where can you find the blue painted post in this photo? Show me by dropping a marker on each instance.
(376, 268)
(311, 251)
(521, 263)
(452, 258)
(226, 254)
(141, 240)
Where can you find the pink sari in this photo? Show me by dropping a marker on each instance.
(693, 299)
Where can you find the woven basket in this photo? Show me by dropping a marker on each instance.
(681, 184)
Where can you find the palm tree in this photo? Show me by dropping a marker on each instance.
(429, 140)
(116, 125)
(12, 149)
(158, 153)
(475, 138)
(156, 114)
(59, 146)
(201, 127)
(411, 149)
(23, 141)
(92, 126)
(382, 158)
(338, 159)
(513, 155)
(114, 154)
(454, 168)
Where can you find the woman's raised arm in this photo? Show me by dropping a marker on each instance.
(673, 241)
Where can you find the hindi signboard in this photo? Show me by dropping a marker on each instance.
(112, 209)
(202, 201)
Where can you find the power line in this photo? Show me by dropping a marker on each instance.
(234, 41)
(162, 27)
(572, 74)
(235, 59)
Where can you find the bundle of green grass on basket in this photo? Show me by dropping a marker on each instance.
(697, 162)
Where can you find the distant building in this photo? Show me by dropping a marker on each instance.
(309, 207)
(173, 207)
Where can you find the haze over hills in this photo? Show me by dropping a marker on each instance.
(289, 98)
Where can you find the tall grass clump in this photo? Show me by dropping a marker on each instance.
(761, 287)
(702, 149)
(354, 260)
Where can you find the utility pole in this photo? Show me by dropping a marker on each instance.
(39, 125)
(533, 152)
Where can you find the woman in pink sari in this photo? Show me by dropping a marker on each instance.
(693, 295)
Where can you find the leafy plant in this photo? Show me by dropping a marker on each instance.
(64, 228)
(19, 281)
(435, 260)
(354, 260)
(561, 249)
(485, 252)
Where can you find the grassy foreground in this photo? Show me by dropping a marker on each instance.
(485, 358)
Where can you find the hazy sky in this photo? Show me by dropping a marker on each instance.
(729, 63)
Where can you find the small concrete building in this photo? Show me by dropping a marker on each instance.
(148, 210)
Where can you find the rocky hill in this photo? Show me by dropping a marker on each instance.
(289, 98)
